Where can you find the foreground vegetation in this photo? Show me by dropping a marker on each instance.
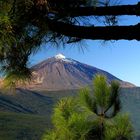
(18, 126)
(91, 116)
(10, 130)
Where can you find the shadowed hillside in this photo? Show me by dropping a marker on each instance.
(130, 98)
(41, 103)
(18, 126)
(25, 101)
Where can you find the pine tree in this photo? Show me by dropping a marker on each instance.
(26, 24)
(92, 115)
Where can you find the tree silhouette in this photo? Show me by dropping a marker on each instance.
(26, 24)
(93, 115)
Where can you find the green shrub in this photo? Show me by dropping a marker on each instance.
(91, 115)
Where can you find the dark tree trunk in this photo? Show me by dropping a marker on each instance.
(96, 33)
(101, 11)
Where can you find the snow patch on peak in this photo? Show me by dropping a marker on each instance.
(63, 58)
(60, 56)
(68, 60)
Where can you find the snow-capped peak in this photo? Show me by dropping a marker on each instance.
(63, 58)
(60, 56)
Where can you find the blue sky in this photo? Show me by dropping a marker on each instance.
(120, 58)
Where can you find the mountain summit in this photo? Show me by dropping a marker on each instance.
(60, 56)
(61, 73)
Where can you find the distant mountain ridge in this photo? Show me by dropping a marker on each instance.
(61, 73)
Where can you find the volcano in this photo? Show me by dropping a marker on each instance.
(61, 73)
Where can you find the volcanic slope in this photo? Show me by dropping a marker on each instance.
(61, 73)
